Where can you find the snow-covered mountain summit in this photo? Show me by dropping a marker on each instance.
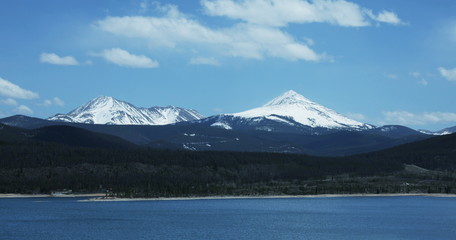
(108, 110)
(288, 112)
(302, 110)
(288, 98)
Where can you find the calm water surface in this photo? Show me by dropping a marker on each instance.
(290, 218)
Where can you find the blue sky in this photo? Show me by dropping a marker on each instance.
(380, 62)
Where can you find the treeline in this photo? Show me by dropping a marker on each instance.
(38, 167)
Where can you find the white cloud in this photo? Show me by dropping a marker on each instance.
(448, 74)
(392, 76)
(8, 102)
(125, 59)
(408, 118)
(385, 17)
(453, 32)
(448, 29)
(22, 109)
(53, 58)
(416, 74)
(11, 90)
(356, 116)
(46, 103)
(423, 82)
(280, 13)
(144, 5)
(240, 40)
(256, 42)
(164, 31)
(204, 61)
(309, 41)
(218, 110)
(147, 5)
(58, 102)
(259, 33)
(52, 102)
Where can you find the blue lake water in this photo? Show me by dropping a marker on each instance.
(289, 218)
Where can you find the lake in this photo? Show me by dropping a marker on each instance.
(405, 217)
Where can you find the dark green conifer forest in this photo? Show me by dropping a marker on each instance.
(427, 166)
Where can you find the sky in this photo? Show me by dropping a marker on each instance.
(379, 62)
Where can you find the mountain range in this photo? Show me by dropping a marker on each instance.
(289, 112)
(108, 110)
(288, 123)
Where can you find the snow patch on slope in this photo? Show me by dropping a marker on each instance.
(435, 133)
(221, 125)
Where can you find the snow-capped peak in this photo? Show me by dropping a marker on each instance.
(108, 110)
(292, 105)
(102, 103)
(289, 97)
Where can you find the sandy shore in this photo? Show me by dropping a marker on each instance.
(99, 197)
(102, 199)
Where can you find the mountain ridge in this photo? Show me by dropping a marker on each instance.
(277, 126)
(108, 110)
(445, 131)
(62, 134)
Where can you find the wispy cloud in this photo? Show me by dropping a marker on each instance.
(52, 102)
(356, 116)
(391, 75)
(385, 17)
(415, 74)
(308, 41)
(217, 110)
(453, 32)
(449, 30)
(53, 58)
(144, 6)
(8, 102)
(280, 13)
(259, 33)
(423, 82)
(241, 40)
(448, 74)
(204, 61)
(58, 102)
(22, 109)
(125, 59)
(408, 118)
(11, 90)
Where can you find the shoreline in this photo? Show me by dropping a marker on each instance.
(20, 195)
(269, 197)
(100, 197)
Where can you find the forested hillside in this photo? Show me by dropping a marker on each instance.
(40, 167)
